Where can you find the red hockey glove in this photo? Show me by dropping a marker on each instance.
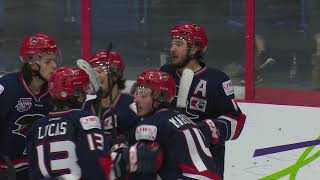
(213, 131)
(145, 158)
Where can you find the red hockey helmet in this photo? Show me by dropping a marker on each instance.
(102, 60)
(32, 47)
(67, 82)
(192, 34)
(161, 83)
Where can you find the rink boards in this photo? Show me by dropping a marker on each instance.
(277, 142)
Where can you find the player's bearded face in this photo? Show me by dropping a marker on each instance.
(144, 101)
(179, 52)
(103, 76)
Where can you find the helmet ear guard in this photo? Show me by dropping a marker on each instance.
(161, 102)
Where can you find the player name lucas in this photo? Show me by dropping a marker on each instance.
(54, 129)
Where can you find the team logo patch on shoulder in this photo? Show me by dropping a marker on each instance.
(90, 122)
(227, 87)
(1, 89)
(146, 132)
(24, 104)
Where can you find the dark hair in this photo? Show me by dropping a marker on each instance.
(27, 73)
(198, 55)
(121, 81)
(162, 103)
(60, 105)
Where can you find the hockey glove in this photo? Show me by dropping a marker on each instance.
(145, 158)
(209, 129)
(119, 155)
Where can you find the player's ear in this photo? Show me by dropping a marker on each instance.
(115, 78)
(155, 104)
(81, 98)
(193, 51)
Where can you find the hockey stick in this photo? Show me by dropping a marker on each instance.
(94, 85)
(110, 87)
(184, 87)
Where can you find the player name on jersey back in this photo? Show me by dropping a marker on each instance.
(53, 129)
(181, 120)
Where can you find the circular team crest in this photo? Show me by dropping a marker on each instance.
(23, 104)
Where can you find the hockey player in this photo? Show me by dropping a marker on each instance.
(110, 100)
(211, 96)
(68, 143)
(166, 142)
(24, 99)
